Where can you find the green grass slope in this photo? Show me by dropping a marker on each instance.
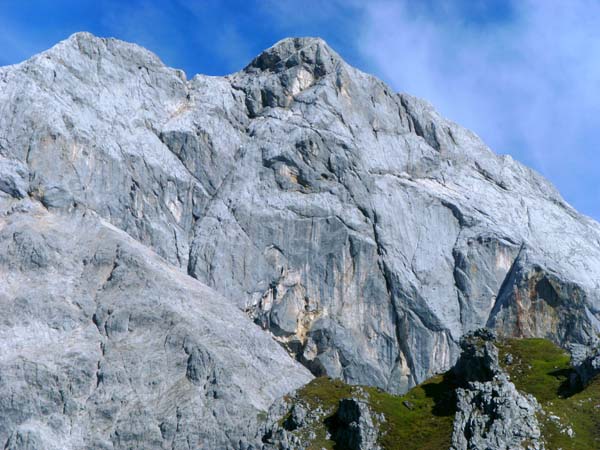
(422, 419)
(542, 369)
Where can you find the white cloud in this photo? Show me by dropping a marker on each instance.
(529, 83)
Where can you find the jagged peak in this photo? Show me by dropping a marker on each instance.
(313, 52)
(83, 36)
(86, 44)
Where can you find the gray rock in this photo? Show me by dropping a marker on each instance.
(408, 405)
(14, 178)
(297, 417)
(491, 413)
(293, 424)
(286, 418)
(107, 346)
(586, 361)
(355, 428)
(362, 229)
(479, 357)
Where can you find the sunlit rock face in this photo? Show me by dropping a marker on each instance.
(105, 345)
(364, 231)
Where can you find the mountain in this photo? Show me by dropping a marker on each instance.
(147, 220)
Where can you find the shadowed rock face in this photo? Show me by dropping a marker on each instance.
(359, 227)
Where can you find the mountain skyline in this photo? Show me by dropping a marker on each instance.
(519, 74)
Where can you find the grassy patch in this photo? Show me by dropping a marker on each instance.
(426, 424)
(539, 367)
(542, 369)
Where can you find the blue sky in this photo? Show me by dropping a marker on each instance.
(523, 74)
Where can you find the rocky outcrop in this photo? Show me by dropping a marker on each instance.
(495, 416)
(585, 359)
(365, 232)
(355, 427)
(491, 413)
(293, 423)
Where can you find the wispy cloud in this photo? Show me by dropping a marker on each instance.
(526, 80)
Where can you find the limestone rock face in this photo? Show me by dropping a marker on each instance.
(362, 229)
(104, 345)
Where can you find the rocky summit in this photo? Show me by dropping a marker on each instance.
(177, 255)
